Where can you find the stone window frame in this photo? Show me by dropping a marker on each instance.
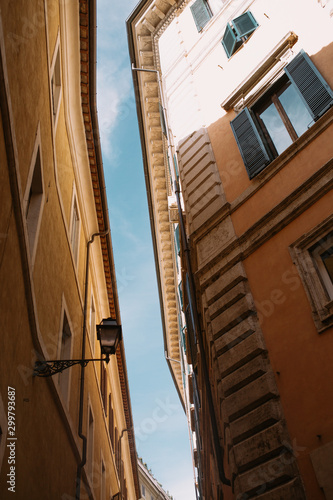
(317, 292)
(55, 82)
(103, 477)
(64, 378)
(75, 228)
(34, 197)
(90, 441)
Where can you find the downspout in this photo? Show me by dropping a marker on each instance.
(212, 414)
(82, 380)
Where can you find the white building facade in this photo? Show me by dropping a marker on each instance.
(221, 104)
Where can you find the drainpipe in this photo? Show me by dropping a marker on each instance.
(170, 359)
(80, 433)
(213, 421)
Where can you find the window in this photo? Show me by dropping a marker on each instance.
(125, 494)
(116, 445)
(143, 490)
(177, 245)
(176, 166)
(162, 118)
(177, 240)
(282, 114)
(75, 230)
(56, 84)
(322, 255)
(92, 323)
(201, 13)
(122, 478)
(238, 32)
(65, 353)
(104, 387)
(111, 422)
(34, 198)
(103, 488)
(180, 294)
(313, 256)
(90, 443)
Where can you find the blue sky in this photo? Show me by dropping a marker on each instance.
(160, 423)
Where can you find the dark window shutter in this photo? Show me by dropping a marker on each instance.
(250, 144)
(314, 90)
(191, 338)
(245, 24)
(201, 13)
(176, 166)
(163, 125)
(229, 40)
(180, 292)
(177, 240)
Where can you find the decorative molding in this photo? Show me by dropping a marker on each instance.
(279, 217)
(276, 60)
(321, 303)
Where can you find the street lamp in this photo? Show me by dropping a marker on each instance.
(109, 336)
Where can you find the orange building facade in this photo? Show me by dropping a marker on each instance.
(239, 111)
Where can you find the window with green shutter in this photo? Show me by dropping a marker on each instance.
(176, 166)
(230, 41)
(201, 13)
(177, 240)
(311, 86)
(162, 117)
(245, 24)
(180, 292)
(282, 114)
(250, 143)
(237, 32)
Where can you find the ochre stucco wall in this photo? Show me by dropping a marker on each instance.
(301, 358)
(48, 447)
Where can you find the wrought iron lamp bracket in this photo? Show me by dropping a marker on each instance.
(49, 368)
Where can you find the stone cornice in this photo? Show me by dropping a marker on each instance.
(146, 23)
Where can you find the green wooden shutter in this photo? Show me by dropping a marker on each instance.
(201, 13)
(245, 24)
(229, 41)
(180, 291)
(177, 239)
(314, 90)
(251, 146)
(163, 125)
(176, 166)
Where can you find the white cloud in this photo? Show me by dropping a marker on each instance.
(114, 102)
(114, 83)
